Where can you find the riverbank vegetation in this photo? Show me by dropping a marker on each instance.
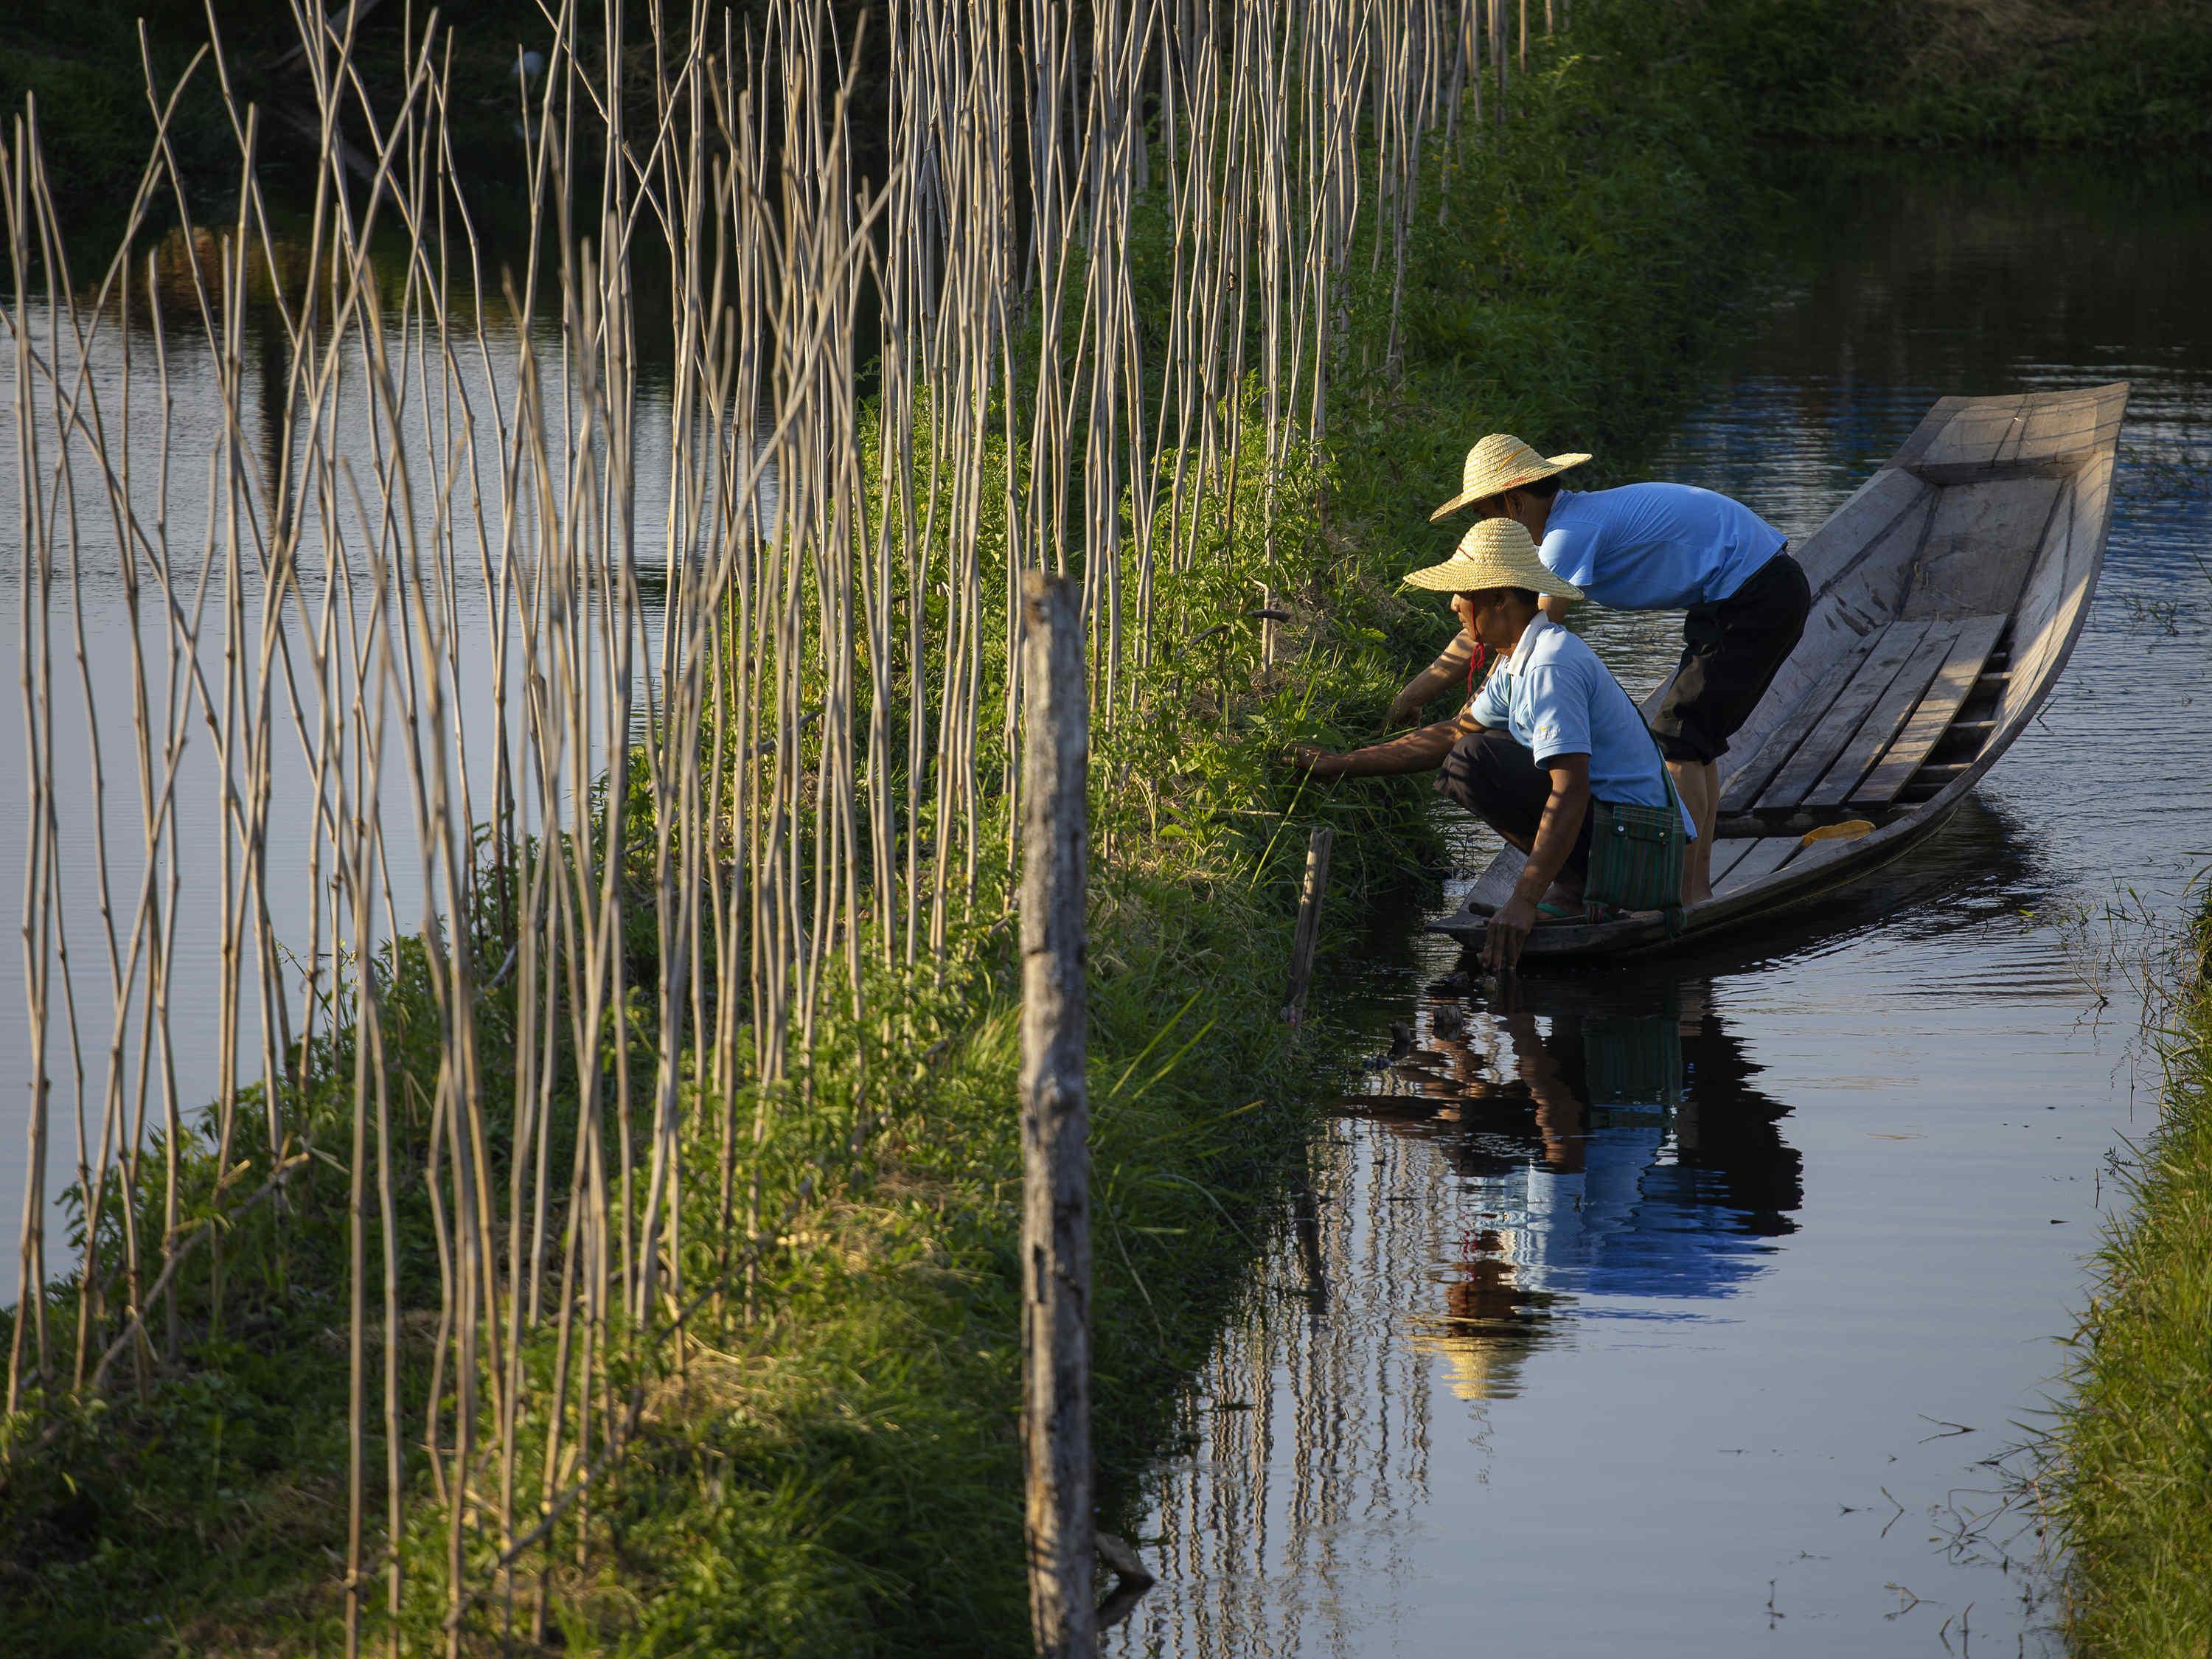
(2003, 74)
(2130, 1483)
(621, 1257)
(2100, 75)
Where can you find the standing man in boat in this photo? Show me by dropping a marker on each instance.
(1550, 731)
(1650, 547)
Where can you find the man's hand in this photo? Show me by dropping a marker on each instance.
(1410, 702)
(1563, 812)
(1422, 749)
(1509, 930)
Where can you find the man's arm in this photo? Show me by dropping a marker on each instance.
(1553, 606)
(1448, 671)
(1547, 855)
(1423, 750)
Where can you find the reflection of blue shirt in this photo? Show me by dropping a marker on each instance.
(1630, 1222)
(1556, 698)
(1655, 546)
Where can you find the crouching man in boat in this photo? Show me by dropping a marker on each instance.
(1550, 731)
(1650, 547)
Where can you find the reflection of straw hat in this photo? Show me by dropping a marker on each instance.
(1495, 553)
(1479, 1365)
(1500, 463)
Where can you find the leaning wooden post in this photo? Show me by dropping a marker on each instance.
(1055, 1126)
(1308, 938)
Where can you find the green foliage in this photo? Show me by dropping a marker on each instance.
(2085, 74)
(83, 62)
(2132, 1466)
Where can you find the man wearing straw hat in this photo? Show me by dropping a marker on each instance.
(1650, 547)
(1551, 732)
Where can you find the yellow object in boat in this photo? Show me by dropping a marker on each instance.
(1849, 829)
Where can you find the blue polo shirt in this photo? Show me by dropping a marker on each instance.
(1556, 698)
(1655, 546)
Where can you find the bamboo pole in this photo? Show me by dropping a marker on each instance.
(1307, 939)
(1056, 1127)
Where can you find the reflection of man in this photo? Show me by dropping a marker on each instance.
(1650, 547)
(1551, 732)
(1621, 1152)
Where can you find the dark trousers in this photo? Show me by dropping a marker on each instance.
(1731, 652)
(1499, 781)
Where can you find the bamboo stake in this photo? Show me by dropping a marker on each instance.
(1055, 1126)
(1307, 939)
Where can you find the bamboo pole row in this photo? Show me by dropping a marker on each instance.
(583, 709)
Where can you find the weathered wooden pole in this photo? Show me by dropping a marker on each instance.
(1055, 1126)
(1308, 938)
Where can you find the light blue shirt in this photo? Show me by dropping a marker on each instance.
(1556, 698)
(1655, 546)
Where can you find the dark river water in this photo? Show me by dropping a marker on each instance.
(1703, 1308)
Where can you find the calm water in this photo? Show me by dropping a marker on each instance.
(88, 612)
(1693, 1310)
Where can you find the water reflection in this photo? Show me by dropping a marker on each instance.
(1524, 1167)
(455, 423)
(1609, 1145)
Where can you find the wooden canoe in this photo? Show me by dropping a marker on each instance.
(1948, 593)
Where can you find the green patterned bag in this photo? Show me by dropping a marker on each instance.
(1636, 852)
(1636, 855)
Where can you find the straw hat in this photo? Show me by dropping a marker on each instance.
(1497, 464)
(1495, 553)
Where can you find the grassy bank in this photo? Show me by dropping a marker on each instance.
(2132, 1463)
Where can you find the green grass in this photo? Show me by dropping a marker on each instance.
(2132, 1460)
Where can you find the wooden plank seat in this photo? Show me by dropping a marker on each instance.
(1884, 720)
(1872, 721)
(1728, 852)
(1840, 723)
(1936, 713)
(1744, 783)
